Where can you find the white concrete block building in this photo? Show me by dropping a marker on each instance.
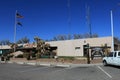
(72, 47)
(76, 47)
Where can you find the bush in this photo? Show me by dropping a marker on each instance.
(67, 57)
(19, 56)
(11, 55)
(38, 55)
(26, 55)
(33, 55)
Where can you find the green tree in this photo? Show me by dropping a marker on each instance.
(40, 46)
(14, 47)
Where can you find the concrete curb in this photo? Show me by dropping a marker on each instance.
(85, 65)
(45, 64)
(62, 65)
(19, 62)
(31, 63)
(10, 62)
(42, 64)
(56, 64)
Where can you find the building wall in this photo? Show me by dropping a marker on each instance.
(75, 47)
(5, 47)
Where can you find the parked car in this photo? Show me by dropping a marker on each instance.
(113, 58)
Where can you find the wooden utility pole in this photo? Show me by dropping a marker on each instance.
(88, 56)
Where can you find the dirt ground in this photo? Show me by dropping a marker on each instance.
(75, 61)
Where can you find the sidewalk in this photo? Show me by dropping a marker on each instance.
(53, 62)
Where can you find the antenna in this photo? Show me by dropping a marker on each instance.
(88, 19)
(69, 15)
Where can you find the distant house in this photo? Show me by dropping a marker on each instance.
(4, 49)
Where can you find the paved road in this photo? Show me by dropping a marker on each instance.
(27, 72)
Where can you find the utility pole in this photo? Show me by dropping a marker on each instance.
(111, 13)
(90, 33)
(88, 56)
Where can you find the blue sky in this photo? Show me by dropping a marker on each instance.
(48, 18)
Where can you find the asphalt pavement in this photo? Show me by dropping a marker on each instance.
(38, 72)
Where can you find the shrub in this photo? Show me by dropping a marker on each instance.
(26, 55)
(19, 56)
(38, 55)
(67, 57)
(11, 55)
(33, 55)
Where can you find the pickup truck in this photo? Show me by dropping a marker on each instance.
(113, 58)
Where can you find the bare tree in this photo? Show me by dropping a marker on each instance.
(8, 42)
(5, 42)
(95, 35)
(0, 42)
(86, 35)
(62, 37)
(19, 42)
(69, 37)
(23, 40)
(55, 38)
(116, 40)
(77, 36)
